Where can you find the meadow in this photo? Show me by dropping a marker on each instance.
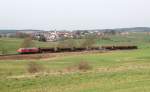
(113, 71)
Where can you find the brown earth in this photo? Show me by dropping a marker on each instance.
(25, 56)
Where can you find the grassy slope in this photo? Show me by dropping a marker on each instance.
(118, 71)
(122, 71)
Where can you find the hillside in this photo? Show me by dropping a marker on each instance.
(109, 71)
(134, 29)
(14, 31)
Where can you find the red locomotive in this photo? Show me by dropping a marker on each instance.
(28, 50)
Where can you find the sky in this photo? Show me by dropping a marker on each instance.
(73, 14)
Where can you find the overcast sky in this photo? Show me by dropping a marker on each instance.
(73, 14)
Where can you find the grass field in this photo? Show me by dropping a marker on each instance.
(115, 71)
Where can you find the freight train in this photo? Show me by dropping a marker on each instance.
(75, 49)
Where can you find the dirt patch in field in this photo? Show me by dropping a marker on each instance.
(26, 57)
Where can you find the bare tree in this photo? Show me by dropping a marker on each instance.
(27, 42)
(33, 67)
(22, 35)
(88, 41)
(4, 51)
(70, 43)
(42, 38)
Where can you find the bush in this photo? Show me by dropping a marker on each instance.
(42, 38)
(21, 35)
(4, 51)
(89, 41)
(70, 43)
(81, 66)
(106, 38)
(84, 66)
(27, 42)
(33, 67)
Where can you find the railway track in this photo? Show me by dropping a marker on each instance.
(24, 56)
(41, 55)
(9, 55)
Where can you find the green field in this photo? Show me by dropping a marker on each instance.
(115, 71)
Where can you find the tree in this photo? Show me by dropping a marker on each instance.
(70, 43)
(110, 32)
(4, 51)
(88, 41)
(42, 38)
(27, 42)
(22, 35)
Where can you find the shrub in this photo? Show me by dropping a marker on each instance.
(42, 38)
(81, 66)
(84, 66)
(4, 51)
(33, 67)
(88, 41)
(27, 42)
(21, 35)
(69, 43)
(105, 38)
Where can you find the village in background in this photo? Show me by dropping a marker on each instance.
(57, 35)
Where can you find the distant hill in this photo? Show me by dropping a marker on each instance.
(134, 29)
(8, 31)
(14, 31)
